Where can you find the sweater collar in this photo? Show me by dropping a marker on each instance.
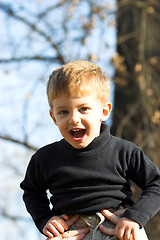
(103, 139)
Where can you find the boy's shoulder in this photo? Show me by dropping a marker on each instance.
(46, 157)
(49, 149)
(116, 142)
(123, 143)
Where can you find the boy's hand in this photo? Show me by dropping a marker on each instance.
(126, 229)
(58, 225)
(72, 235)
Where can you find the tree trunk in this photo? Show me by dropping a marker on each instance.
(136, 115)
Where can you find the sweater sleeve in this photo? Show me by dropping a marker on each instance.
(35, 196)
(146, 175)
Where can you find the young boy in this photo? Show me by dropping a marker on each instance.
(89, 169)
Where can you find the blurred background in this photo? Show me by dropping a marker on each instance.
(37, 36)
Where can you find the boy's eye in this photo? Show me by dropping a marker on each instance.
(63, 112)
(83, 109)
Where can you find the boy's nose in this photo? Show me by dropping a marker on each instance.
(74, 118)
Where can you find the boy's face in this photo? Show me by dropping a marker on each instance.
(79, 118)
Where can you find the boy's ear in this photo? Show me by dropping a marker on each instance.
(52, 116)
(106, 111)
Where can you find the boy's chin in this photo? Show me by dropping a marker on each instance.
(79, 144)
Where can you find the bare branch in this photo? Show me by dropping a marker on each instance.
(26, 58)
(127, 36)
(126, 119)
(11, 217)
(8, 10)
(50, 8)
(19, 142)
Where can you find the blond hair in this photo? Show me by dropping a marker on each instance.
(81, 76)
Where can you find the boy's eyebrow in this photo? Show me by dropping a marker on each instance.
(79, 105)
(60, 107)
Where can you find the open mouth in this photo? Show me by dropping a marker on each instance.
(78, 134)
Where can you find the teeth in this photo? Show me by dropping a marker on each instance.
(76, 130)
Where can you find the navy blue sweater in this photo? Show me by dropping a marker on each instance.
(84, 181)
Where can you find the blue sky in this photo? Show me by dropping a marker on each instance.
(24, 107)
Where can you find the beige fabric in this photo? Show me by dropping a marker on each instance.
(93, 223)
